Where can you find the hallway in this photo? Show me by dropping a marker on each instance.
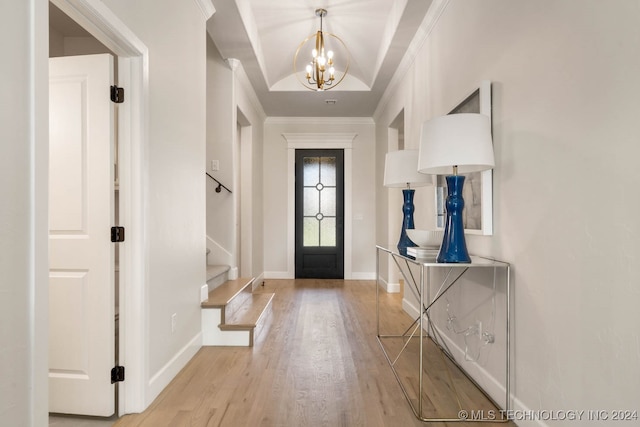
(316, 363)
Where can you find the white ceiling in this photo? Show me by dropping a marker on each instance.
(264, 36)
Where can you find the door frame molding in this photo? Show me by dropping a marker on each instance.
(133, 73)
(319, 141)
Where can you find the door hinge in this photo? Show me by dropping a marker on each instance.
(117, 374)
(117, 94)
(117, 234)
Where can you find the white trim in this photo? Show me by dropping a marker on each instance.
(168, 372)
(35, 121)
(133, 63)
(104, 25)
(257, 281)
(206, 7)
(342, 141)
(390, 288)
(320, 120)
(278, 275)
(428, 24)
(320, 140)
(244, 183)
(243, 80)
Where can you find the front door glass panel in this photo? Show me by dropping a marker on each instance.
(319, 201)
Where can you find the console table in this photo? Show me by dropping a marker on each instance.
(418, 276)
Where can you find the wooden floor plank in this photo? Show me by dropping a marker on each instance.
(318, 364)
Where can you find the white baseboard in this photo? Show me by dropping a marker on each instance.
(257, 281)
(163, 377)
(277, 275)
(233, 273)
(390, 288)
(522, 416)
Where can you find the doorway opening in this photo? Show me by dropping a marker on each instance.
(244, 200)
(132, 73)
(83, 204)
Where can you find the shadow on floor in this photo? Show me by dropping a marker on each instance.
(59, 420)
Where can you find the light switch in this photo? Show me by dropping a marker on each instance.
(215, 165)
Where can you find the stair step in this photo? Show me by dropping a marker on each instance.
(249, 314)
(225, 293)
(216, 270)
(233, 315)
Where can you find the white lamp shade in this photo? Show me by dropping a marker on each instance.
(462, 140)
(401, 169)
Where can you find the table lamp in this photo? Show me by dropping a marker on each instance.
(452, 144)
(401, 171)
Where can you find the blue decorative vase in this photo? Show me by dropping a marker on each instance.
(407, 221)
(454, 246)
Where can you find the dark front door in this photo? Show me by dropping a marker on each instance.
(320, 214)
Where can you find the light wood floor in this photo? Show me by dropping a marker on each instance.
(316, 363)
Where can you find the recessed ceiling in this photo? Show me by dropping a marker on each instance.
(264, 36)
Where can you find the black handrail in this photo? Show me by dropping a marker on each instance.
(220, 185)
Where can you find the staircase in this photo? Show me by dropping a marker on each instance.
(233, 315)
(216, 275)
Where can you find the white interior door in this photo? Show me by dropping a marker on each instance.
(81, 195)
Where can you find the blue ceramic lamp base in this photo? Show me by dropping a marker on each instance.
(407, 221)
(454, 246)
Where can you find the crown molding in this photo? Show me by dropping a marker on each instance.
(206, 7)
(317, 139)
(320, 120)
(428, 24)
(243, 80)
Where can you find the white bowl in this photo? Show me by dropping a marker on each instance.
(426, 238)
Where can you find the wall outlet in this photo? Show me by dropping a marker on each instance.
(173, 322)
(215, 165)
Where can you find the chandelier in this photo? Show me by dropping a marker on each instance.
(320, 72)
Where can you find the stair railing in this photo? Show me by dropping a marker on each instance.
(220, 185)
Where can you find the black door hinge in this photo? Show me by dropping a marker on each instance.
(117, 94)
(117, 234)
(117, 374)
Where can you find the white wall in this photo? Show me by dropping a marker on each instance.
(231, 101)
(221, 128)
(278, 205)
(23, 213)
(174, 206)
(565, 113)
